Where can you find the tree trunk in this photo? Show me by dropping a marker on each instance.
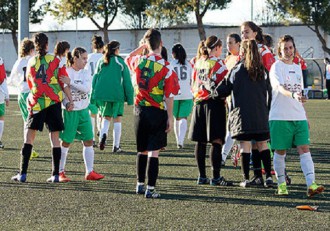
(320, 37)
(200, 25)
(15, 40)
(105, 35)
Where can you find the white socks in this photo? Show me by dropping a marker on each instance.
(104, 127)
(227, 146)
(2, 125)
(279, 167)
(25, 130)
(307, 166)
(64, 154)
(88, 154)
(116, 134)
(180, 130)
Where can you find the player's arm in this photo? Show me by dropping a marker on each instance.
(169, 106)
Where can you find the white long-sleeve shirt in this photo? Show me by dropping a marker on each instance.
(80, 85)
(17, 76)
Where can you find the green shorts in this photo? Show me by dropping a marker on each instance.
(92, 108)
(2, 109)
(77, 125)
(110, 109)
(288, 134)
(182, 108)
(22, 105)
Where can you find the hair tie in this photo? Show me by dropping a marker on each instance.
(214, 43)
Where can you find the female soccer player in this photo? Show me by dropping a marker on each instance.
(248, 117)
(112, 86)
(182, 103)
(77, 123)
(287, 119)
(208, 122)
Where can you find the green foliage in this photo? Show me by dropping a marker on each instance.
(9, 14)
(310, 12)
(135, 10)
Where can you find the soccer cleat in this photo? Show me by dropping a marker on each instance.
(19, 177)
(54, 179)
(2, 145)
(269, 182)
(202, 180)
(93, 176)
(282, 190)
(257, 182)
(94, 144)
(63, 177)
(34, 154)
(102, 142)
(118, 150)
(244, 184)
(151, 194)
(314, 189)
(221, 181)
(223, 163)
(140, 189)
(180, 146)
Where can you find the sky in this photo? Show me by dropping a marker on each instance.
(237, 12)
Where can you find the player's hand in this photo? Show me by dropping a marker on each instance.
(169, 125)
(69, 106)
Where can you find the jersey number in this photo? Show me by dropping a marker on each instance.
(92, 68)
(182, 73)
(41, 74)
(145, 77)
(24, 74)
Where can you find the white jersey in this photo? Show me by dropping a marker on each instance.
(80, 85)
(327, 71)
(283, 107)
(17, 76)
(92, 60)
(184, 73)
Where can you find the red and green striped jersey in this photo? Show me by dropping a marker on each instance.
(207, 74)
(267, 56)
(155, 79)
(42, 78)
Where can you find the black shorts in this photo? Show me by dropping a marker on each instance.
(51, 116)
(150, 126)
(208, 121)
(253, 137)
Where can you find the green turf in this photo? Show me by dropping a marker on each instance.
(111, 204)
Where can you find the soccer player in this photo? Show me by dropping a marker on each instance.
(112, 87)
(77, 122)
(182, 103)
(93, 58)
(248, 117)
(44, 105)
(233, 46)
(208, 122)
(249, 30)
(157, 84)
(287, 119)
(18, 79)
(4, 98)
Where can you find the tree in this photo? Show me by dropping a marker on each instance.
(94, 9)
(138, 18)
(313, 13)
(9, 17)
(180, 9)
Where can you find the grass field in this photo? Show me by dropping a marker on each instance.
(111, 204)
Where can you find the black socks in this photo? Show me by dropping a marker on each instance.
(245, 165)
(215, 157)
(200, 154)
(141, 167)
(153, 169)
(25, 157)
(56, 153)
